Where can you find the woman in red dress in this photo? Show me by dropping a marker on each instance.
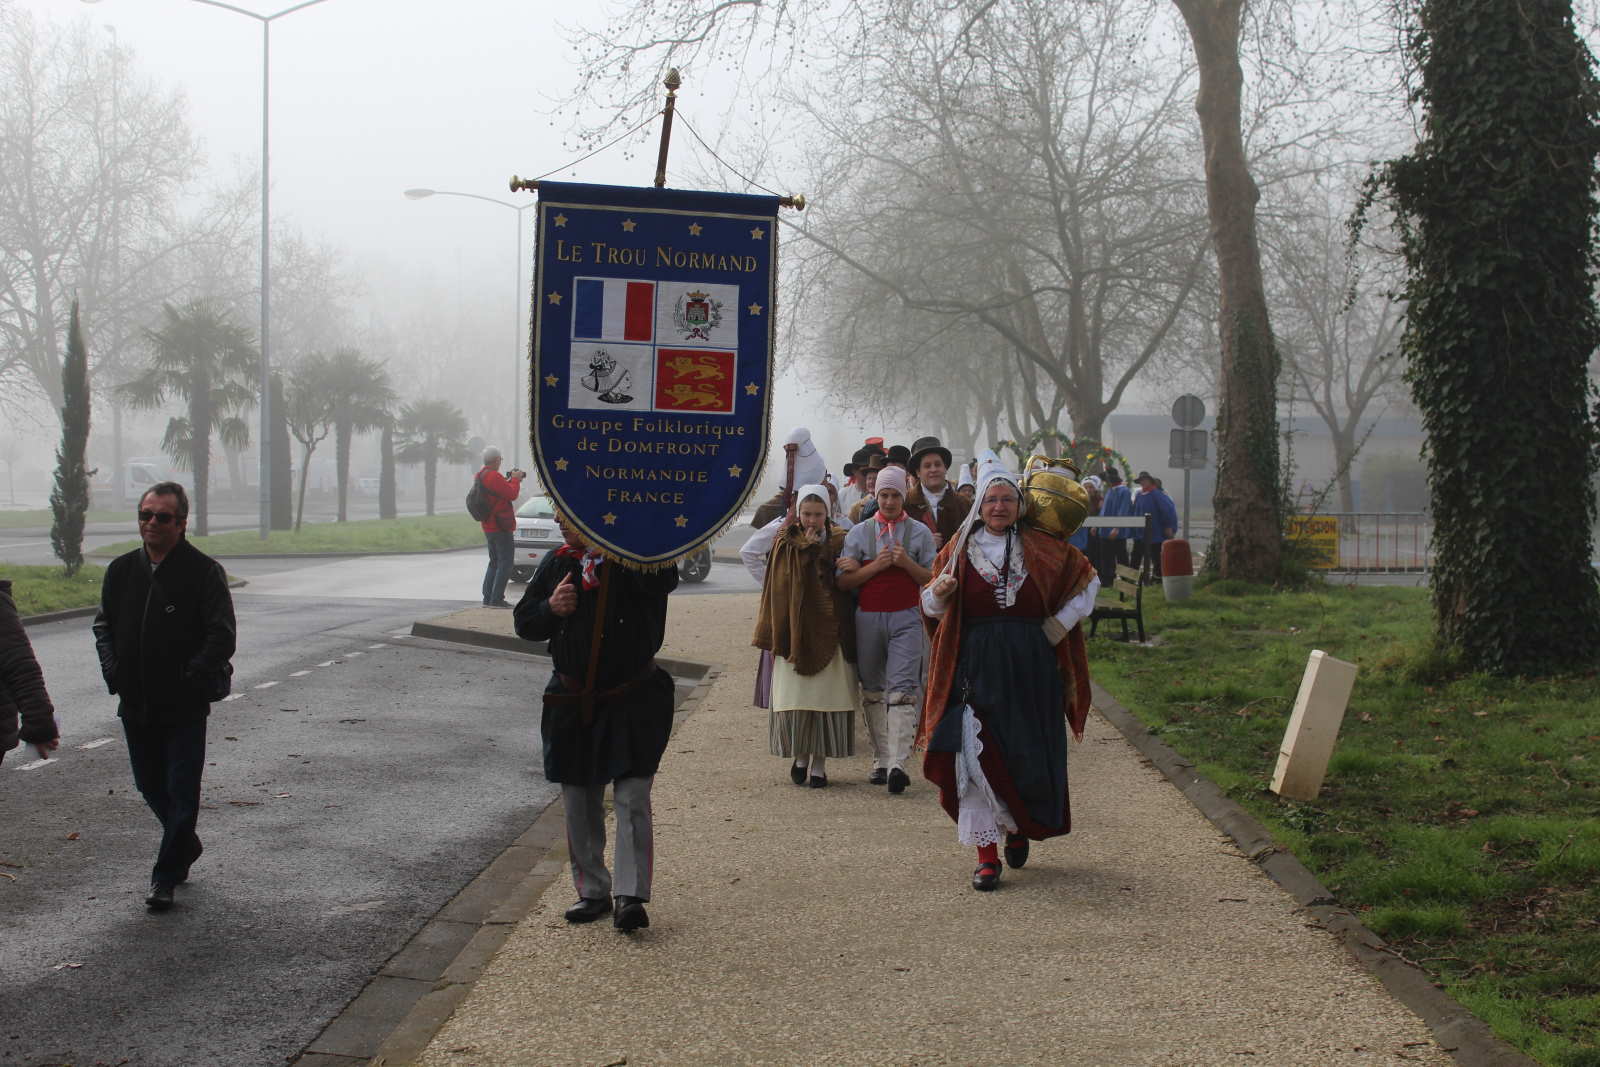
(1008, 676)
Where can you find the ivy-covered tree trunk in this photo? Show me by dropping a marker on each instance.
(69, 501)
(386, 501)
(281, 491)
(1248, 539)
(1497, 211)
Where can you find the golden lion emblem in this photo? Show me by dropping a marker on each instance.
(686, 395)
(702, 368)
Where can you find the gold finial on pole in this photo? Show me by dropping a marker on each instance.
(797, 201)
(671, 81)
(524, 185)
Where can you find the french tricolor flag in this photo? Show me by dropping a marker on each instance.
(613, 309)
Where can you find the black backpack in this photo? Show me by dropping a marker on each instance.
(479, 506)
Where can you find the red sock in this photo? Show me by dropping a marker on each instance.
(988, 854)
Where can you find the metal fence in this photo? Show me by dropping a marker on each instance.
(1365, 541)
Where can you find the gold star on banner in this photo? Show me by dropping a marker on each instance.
(554, 298)
(757, 234)
(561, 464)
(694, 229)
(560, 220)
(551, 380)
(628, 225)
(681, 520)
(610, 519)
(735, 471)
(755, 309)
(752, 389)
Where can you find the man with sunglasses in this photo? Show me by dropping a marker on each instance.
(165, 635)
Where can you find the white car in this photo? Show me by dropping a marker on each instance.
(537, 533)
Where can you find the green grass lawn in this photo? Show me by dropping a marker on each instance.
(410, 534)
(1461, 813)
(14, 520)
(41, 589)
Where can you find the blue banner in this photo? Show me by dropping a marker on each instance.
(652, 361)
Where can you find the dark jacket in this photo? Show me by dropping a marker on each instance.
(627, 731)
(25, 710)
(953, 511)
(164, 636)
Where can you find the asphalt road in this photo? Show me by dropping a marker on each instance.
(357, 781)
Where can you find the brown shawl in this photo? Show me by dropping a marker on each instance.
(1062, 572)
(803, 617)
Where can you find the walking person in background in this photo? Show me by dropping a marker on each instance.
(607, 714)
(885, 561)
(1163, 524)
(1117, 502)
(1008, 679)
(808, 625)
(26, 714)
(932, 501)
(165, 634)
(500, 528)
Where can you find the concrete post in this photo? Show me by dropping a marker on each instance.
(1313, 727)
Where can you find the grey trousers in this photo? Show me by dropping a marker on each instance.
(889, 655)
(586, 838)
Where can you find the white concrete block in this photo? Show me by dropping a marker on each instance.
(1313, 727)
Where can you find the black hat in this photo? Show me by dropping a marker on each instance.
(1145, 476)
(900, 454)
(1112, 476)
(849, 469)
(924, 445)
(875, 462)
(859, 458)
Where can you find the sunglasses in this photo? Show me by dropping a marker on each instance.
(160, 518)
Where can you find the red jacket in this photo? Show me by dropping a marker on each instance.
(503, 491)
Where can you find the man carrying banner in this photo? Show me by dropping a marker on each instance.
(886, 558)
(607, 713)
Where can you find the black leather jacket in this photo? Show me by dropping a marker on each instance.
(164, 635)
(25, 710)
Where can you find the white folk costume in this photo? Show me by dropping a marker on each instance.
(807, 625)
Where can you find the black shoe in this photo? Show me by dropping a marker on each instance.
(160, 898)
(986, 879)
(878, 776)
(898, 780)
(587, 909)
(630, 915)
(819, 781)
(499, 603)
(797, 773)
(1016, 851)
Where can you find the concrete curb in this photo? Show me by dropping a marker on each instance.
(81, 613)
(1465, 1036)
(396, 1015)
(331, 555)
(678, 668)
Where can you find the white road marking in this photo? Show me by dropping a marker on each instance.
(232, 697)
(327, 663)
(266, 685)
(97, 742)
(36, 764)
(299, 674)
(380, 644)
(356, 654)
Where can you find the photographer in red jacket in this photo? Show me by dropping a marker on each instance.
(499, 529)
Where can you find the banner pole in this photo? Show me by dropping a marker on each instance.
(672, 81)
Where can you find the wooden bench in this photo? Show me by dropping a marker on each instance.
(1128, 592)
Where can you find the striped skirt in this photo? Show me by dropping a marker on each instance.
(813, 715)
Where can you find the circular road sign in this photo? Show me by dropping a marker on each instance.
(1188, 411)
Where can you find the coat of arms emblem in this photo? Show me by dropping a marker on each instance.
(605, 380)
(696, 315)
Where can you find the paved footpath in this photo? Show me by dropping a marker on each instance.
(794, 925)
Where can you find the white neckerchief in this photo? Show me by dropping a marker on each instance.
(935, 501)
(986, 552)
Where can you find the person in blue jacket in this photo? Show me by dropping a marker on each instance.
(1118, 501)
(1154, 501)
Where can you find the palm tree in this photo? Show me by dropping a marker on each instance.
(308, 411)
(431, 430)
(202, 356)
(358, 390)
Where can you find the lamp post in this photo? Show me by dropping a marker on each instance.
(517, 393)
(263, 446)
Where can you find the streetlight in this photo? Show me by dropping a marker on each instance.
(516, 309)
(264, 444)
